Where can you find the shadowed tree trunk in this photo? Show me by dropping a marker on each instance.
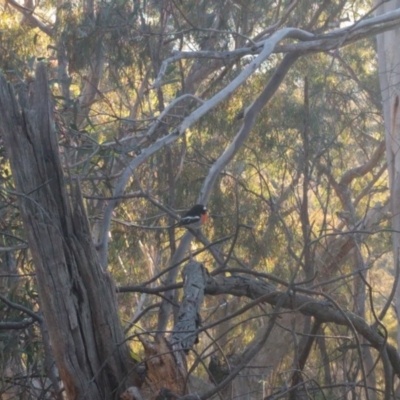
(389, 69)
(76, 297)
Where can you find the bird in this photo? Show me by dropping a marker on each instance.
(194, 218)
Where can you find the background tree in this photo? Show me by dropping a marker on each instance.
(158, 105)
(388, 66)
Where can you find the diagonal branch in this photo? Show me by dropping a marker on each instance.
(29, 17)
(363, 169)
(301, 300)
(197, 114)
(22, 308)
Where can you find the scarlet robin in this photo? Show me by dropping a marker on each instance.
(194, 218)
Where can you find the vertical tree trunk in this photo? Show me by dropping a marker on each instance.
(389, 76)
(77, 299)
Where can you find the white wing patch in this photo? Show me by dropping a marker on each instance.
(189, 219)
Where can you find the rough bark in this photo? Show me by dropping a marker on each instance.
(184, 334)
(166, 367)
(76, 297)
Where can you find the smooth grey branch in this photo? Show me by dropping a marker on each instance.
(268, 48)
(309, 42)
(265, 48)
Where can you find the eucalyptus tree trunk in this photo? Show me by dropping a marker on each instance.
(389, 76)
(77, 299)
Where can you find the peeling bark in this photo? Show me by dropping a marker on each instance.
(76, 297)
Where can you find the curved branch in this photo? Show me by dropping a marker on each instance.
(22, 308)
(309, 42)
(249, 120)
(266, 49)
(322, 311)
(344, 36)
(332, 40)
(353, 173)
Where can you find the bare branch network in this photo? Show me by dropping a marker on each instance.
(308, 43)
(197, 283)
(78, 296)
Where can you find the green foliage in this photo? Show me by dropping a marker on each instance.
(20, 46)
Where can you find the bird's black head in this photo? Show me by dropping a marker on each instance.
(198, 209)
